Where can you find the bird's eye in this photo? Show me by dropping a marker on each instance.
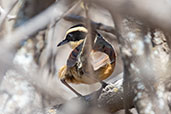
(103, 46)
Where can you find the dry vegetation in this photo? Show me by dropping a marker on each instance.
(139, 30)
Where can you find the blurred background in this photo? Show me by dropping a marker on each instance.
(30, 59)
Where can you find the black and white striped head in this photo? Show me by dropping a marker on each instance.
(74, 34)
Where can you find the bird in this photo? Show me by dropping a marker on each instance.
(103, 58)
(74, 36)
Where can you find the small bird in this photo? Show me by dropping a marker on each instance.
(102, 57)
(74, 36)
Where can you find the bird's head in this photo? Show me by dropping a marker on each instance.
(74, 35)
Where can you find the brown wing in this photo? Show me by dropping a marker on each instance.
(105, 47)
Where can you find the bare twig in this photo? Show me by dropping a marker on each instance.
(88, 43)
(4, 14)
(76, 9)
(10, 17)
(95, 25)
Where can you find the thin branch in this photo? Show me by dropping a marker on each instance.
(88, 43)
(74, 9)
(4, 14)
(95, 25)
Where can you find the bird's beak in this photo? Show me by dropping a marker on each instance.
(63, 42)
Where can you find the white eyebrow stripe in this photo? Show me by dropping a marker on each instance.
(83, 29)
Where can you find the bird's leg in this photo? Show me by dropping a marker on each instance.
(104, 84)
(72, 89)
